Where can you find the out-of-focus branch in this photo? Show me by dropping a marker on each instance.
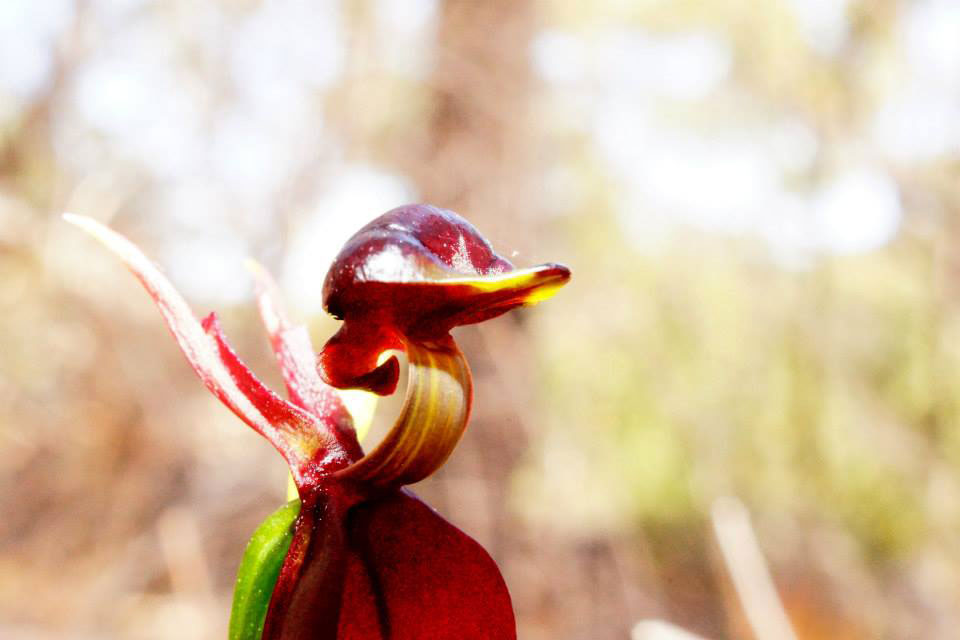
(748, 571)
(660, 630)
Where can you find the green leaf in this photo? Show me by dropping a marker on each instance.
(259, 570)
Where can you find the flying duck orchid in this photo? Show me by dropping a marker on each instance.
(357, 555)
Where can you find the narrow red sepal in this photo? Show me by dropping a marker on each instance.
(307, 447)
(294, 352)
(299, 437)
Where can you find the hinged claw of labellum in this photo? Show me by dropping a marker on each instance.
(357, 556)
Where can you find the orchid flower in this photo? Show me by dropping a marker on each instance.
(357, 555)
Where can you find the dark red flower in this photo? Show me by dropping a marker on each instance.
(361, 557)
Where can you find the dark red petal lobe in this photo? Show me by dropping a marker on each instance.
(425, 577)
(349, 359)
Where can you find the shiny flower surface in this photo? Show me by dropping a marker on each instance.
(358, 556)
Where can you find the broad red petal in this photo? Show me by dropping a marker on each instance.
(412, 575)
(390, 569)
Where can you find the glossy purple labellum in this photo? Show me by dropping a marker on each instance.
(367, 559)
(413, 274)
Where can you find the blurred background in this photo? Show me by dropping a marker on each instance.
(742, 417)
